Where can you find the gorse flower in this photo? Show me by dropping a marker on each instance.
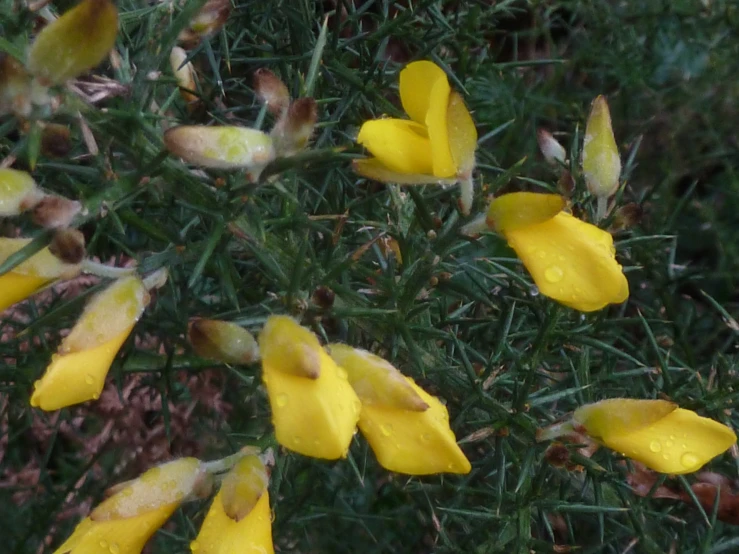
(436, 145)
(124, 522)
(224, 341)
(38, 271)
(571, 261)
(239, 520)
(18, 192)
(77, 371)
(657, 433)
(314, 408)
(407, 428)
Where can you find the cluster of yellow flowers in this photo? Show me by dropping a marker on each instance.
(318, 395)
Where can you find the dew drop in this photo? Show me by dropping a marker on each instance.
(669, 444)
(386, 429)
(665, 456)
(689, 460)
(103, 544)
(554, 274)
(281, 400)
(655, 446)
(534, 291)
(89, 379)
(114, 548)
(95, 396)
(426, 437)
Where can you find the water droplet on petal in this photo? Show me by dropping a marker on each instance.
(655, 446)
(541, 254)
(669, 444)
(426, 437)
(281, 400)
(386, 429)
(534, 291)
(89, 379)
(689, 460)
(296, 441)
(554, 274)
(115, 549)
(104, 544)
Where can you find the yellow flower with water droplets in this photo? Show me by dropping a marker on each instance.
(314, 408)
(77, 371)
(38, 271)
(436, 145)
(571, 261)
(239, 520)
(124, 522)
(657, 433)
(407, 428)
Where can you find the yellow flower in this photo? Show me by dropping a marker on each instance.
(77, 41)
(239, 520)
(36, 272)
(123, 523)
(314, 408)
(407, 428)
(656, 433)
(571, 261)
(436, 145)
(601, 164)
(77, 371)
(18, 192)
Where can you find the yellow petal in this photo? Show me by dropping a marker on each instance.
(436, 124)
(462, 135)
(17, 192)
(376, 381)
(400, 145)
(620, 415)
(124, 522)
(109, 314)
(76, 377)
(314, 417)
(371, 168)
(572, 262)
(15, 287)
(77, 41)
(521, 209)
(415, 443)
(680, 442)
(224, 147)
(223, 341)
(220, 534)
(601, 164)
(417, 80)
(243, 486)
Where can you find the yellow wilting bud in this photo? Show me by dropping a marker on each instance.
(184, 72)
(39, 270)
(77, 371)
(18, 192)
(208, 21)
(221, 147)
(271, 91)
(124, 522)
(54, 211)
(314, 408)
(571, 261)
(407, 428)
(554, 153)
(77, 41)
(657, 433)
(601, 164)
(223, 341)
(295, 127)
(436, 145)
(239, 520)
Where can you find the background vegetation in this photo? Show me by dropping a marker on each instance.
(458, 314)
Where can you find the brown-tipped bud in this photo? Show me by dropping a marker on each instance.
(271, 91)
(55, 140)
(68, 245)
(557, 454)
(627, 216)
(554, 153)
(15, 87)
(223, 341)
(184, 72)
(208, 21)
(53, 212)
(323, 297)
(295, 127)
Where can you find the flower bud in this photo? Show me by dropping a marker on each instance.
(15, 87)
(55, 140)
(208, 21)
(271, 91)
(601, 164)
(77, 41)
(184, 72)
(223, 341)
(68, 245)
(626, 217)
(293, 130)
(554, 153)
(54, 211)
(18, 192)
